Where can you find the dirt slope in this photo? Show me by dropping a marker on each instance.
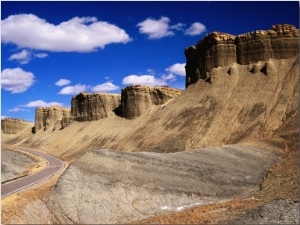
(238, 105)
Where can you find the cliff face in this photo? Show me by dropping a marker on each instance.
(88, 107)
(46, 117)
(221, 49)
(137, 99)
(12, 125)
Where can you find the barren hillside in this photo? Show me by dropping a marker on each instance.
(235, 106)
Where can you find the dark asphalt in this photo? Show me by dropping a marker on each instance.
(53, 167)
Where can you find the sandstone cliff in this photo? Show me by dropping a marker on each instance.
(50, 117)
(88, 107)
(137, 99)
(13, 125)
(221, 49)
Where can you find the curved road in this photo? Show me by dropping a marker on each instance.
(54, 165)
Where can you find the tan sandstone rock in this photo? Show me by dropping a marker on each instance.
(13, 125)
(88, 107)
(137, 99)
(220, 49)
(45, 117)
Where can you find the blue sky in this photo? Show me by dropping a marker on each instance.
(50, 51)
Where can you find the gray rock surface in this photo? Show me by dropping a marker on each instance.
(106, 186)
(13, 164)
(276, 212)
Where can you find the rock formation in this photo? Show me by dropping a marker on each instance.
(221, 49)
(45, 117)
(13, 125)
(88, 107)
(137, 99)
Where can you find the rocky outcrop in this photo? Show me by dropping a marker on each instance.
(215, 49)
(88, 107)
(46, 117)
(137, 99)
(66, 121)
(13, 125)
(220, 49)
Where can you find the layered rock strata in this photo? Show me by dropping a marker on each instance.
(220, 49)
(46, 117)
(137, 99)
(13, 125)
(88, 107)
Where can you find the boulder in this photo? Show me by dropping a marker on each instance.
(136, 99)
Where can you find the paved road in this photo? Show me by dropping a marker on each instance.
(54, 165)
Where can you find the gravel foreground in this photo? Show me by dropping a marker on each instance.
(106, 186)
(280, 211)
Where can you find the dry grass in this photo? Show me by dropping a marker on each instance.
(213, 213)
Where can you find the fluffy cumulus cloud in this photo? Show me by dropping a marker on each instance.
(41, 103)
(16, 80)
(156, 29)
(18, 109)
(195, 29)
(147, 80)
(25, 56)
(79, 34)
(105, 87)
(33, 104)
(71, 90)
(173, 71)
(177, 69)
(62, 82)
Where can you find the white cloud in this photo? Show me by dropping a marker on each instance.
(79, 34)
(41, 103)
(105, 87)
(150, 71)
(178, 26)
(147, 80)
(195, 29)
(177, 68)
(16, 80)
(170, 77)
(62, 82)
(156, 29)
(41, 55)
(23, 57)
(3, 117)
(71, 90)
(18, 109)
